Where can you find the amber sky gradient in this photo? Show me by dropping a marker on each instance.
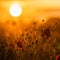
(31, 9)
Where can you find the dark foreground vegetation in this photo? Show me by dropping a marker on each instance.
(36, 42)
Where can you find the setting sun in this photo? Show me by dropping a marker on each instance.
(15, 10)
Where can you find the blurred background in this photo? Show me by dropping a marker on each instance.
(34, 35)
(37, 9)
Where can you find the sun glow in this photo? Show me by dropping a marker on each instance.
(15, 10)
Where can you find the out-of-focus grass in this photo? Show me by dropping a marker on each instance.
(35, 42)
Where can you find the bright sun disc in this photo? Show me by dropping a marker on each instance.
(15, 10)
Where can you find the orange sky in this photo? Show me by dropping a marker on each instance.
(31, 8)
